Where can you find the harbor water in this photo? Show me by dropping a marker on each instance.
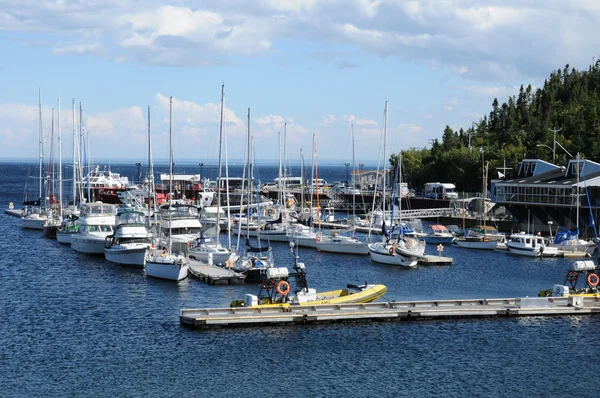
(76, 325)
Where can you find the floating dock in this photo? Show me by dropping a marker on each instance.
(14, 212)
(296, 315)
(214, 275)
(432, 259)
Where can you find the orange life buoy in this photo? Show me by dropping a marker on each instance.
(283, 288)
(593, 280)
(392, 250)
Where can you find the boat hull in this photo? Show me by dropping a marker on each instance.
(343, 247)
(434, 240)
(220, 255)
(64, 237)
(479, 245)
(88, 244)
(34, 222)
(133, 254)
(341, 296)
(383, 256)
(166, 269)
(524, 251)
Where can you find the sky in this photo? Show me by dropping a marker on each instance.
(304, 69)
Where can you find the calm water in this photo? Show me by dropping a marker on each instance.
(73, 325)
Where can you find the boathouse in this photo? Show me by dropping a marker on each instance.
(542, 192)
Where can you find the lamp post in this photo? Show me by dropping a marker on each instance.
(347, 173)
(139, 177)
(554, 150)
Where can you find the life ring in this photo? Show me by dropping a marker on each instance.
(392, 250)
(318, 239)
(593, 280)
(268, 284)
(283, 288)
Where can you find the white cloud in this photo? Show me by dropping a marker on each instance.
(329, 119)
(475, 38)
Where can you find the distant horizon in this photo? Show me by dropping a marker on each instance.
(210, 162)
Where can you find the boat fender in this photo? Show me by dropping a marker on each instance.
(593, 280)
(283, 288)
(391, 250)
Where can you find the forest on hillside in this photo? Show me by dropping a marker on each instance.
(514, 130)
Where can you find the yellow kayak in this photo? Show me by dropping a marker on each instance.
(352, 294)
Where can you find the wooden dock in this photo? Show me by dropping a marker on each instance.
(296, 315)
(214, 275)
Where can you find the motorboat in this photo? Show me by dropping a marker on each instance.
(179, 221)
(439, 234)
(276, 291)
(96, 222)
(581, 280)
(67, 228)
(530, 245)
(131, 239)
(341, 244)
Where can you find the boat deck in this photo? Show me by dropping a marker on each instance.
(209, 318)
(214, 275)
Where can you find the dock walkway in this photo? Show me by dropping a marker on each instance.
(296, 315)
(214, 275)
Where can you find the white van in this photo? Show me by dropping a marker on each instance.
(440, 190)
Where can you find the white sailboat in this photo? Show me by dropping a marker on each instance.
(205, 249)
(385, 251)
(34, 216)
(164, 263)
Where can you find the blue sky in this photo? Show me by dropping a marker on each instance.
(318, 65)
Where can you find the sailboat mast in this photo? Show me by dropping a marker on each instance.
(170, 170)
(385, 121)
(220, 162)
(312, 176)
(484, 184)
(74, 157)
(40, 148)
(60, 183)
(353, 184)
(577, 196)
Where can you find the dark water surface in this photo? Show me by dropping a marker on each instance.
(74, 325)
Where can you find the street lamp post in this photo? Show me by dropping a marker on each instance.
(347, 173)
(139, 177)
(554, 150)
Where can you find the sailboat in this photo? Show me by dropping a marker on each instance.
(485, 237)
(204, 250)
(385, 251)
(68, 227)
(34, 217)
(339, 243)
(164, 263)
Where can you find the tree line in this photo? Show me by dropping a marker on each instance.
(520, 128)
